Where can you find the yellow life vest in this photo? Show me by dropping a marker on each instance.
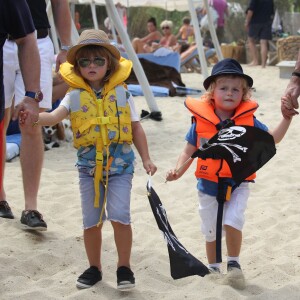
(99, 122)
(107, 119)
(206, 128)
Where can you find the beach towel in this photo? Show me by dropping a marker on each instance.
(13, 143)
(158, 75)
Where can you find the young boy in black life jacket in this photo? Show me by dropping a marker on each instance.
(104, 124)
(227, 97)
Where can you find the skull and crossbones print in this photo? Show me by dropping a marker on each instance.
(230, 133)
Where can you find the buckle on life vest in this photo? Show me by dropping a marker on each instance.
(99, 157)
(103, 120)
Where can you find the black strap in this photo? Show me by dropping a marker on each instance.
(224, 193)
(219, 232)
(225, 124)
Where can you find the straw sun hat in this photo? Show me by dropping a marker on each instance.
(92, 37)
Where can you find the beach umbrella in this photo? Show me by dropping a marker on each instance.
(182, 263)
(245, 149)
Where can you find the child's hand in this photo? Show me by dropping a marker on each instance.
(172, 175)
(287, 108)
(150, 167)
(22, 117)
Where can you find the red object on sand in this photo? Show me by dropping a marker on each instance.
(1, 148)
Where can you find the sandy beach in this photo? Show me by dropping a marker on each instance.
(45, 265)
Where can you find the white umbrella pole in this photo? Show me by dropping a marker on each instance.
(94, 15)
(132, 55)
(52, 29)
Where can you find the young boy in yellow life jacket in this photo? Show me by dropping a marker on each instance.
(104, 124)
(227, 99)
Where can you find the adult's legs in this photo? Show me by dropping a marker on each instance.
(253, 51)
(10, 70)
(264, 52)
(31, 158)
(138, 45)
(32, 145)
(123, 240)
(5, 125)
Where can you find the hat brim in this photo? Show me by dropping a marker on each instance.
(209, 79)
(71, 55)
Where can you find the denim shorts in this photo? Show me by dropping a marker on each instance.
(117, 202)
(233, 215)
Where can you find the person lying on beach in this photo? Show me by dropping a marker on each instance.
(168, 40)
(153, 36)
(186, 32)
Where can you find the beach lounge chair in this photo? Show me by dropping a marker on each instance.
(191, 63)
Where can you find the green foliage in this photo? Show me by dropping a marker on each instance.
(138, 17)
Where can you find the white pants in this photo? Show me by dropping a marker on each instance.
(233, 215)
(13, 81)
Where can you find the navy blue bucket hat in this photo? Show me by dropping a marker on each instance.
(227, 66)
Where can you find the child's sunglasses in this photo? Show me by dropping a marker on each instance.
(85, 62)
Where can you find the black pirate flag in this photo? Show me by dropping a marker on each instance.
(245, 149)
(182, 263)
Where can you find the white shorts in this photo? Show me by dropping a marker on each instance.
(13, 81)
(233, 215)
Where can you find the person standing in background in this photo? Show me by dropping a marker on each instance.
(32, 142)
(222, 9)
(258, 23)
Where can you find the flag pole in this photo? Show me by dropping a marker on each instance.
(182, 166)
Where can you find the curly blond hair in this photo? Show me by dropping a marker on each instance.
(207, 97)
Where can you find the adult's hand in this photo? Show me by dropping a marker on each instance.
(291, 93)
(28, 110)
(61, 58)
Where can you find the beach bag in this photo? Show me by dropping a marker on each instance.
(204, 21)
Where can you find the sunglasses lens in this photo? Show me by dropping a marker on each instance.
(99, 61)
(84, 62)
(166, 27)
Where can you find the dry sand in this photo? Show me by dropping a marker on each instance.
(46, 265)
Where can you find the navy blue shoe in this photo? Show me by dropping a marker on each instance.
(125, 279)
(89, 277)
(33, 220)
(5, 211)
